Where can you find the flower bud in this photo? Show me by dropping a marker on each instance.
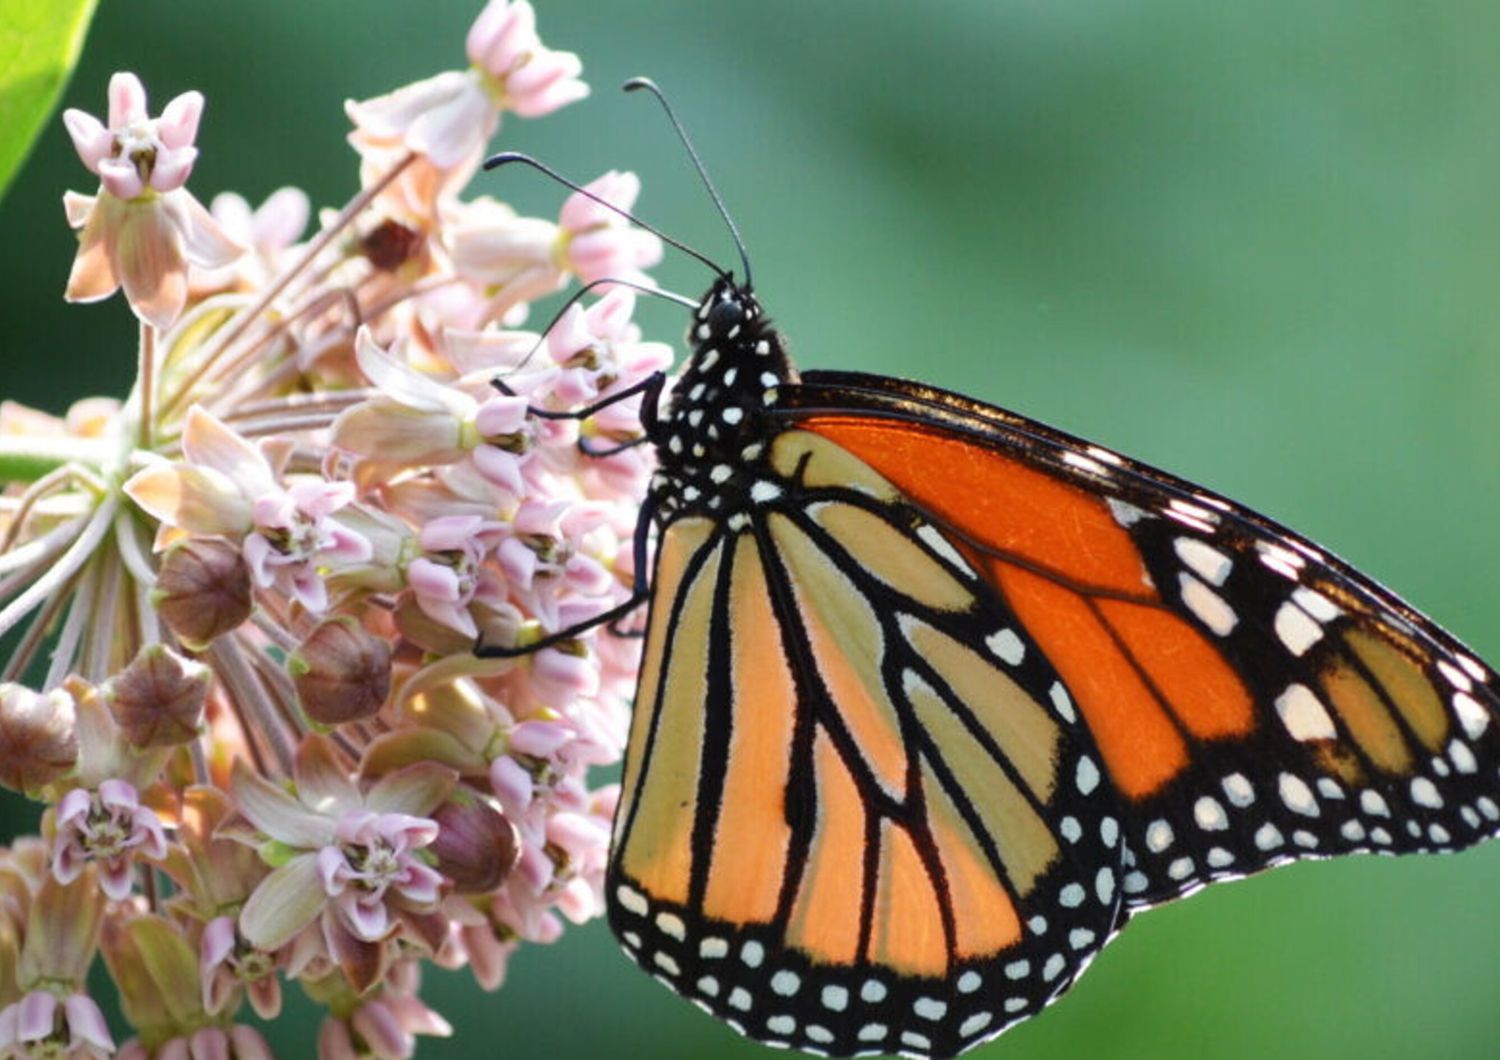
(341, 672)
(391, 244)
(38, 736)
(476, 846)
(157, 701)
(202, 590)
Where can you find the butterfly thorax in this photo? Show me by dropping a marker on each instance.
(711, 438)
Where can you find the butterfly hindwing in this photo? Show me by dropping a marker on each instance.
(859, 811)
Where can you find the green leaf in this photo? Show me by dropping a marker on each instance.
(39, 45)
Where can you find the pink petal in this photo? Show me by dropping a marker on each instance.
(618, 188)
(501, 35)
(172, 169)
(248, 1044)
(86, 1023)
(199, 500)
(149, 263)
(323, 782)
(276, 813)
(117, 794)
(500, 467)
(432, 581)
(178, 124)
(382, 1032)
(450, 133)
(422, 886)
(74, 804)
(90, 138)
(548, 82)
(121, 179)
(283, 904)
(513, 785)
(35, 1016)
(127, 100)
(209, 1043)
(281, 218)
(334, 871)
(415, 790)
(367, 921)
(116, 878)
(205, 243)
(540, 739)
(500, 415)
(93, 275)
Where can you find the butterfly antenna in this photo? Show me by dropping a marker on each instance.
(651, 86)
(505, 158)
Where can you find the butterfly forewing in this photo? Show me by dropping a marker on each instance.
(1253, 699)
(860, 811)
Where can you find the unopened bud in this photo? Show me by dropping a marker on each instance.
(477, 845)
(38, 736)
(158, 699)
(202, 590)
(342, 673)
(390, 245)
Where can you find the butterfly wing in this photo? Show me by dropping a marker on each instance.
(1254, 699)
(858, 811)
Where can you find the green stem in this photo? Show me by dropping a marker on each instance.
(27, 458)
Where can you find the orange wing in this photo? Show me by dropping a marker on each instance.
(847, 823)
(1253, 699)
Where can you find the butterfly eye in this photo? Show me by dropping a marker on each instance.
(726, 315)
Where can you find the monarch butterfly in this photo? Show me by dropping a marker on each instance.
(935, 698)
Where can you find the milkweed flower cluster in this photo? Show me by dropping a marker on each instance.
(264, 748)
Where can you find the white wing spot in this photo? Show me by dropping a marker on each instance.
(764, 491)
(666, 964)
(631, 939)
(1104, 885)
(976, 1023)
(713, 949)
(708, 985)
(1470, 665)
(873, 991)
(1238, 790)
(1456, 677)
(1297, 796)
(752, 953)
(671, 925)
(1084, 463)
(1281, 560)
(873, 1032)
(1297, 631)
(1303, 714)
(1125, 513)
(1071, 896)
(1381, 836)
(785, 983)
(1015, 1004)
(817, 1033)
(1054, 966)
(1306, 840)
(1180, 869)
(1105, 455)
(739, 998)
(1463, 758)
(1210, 608)
(1071, 830)
(835, 998)
(1438, 834)
(1316, 604)
(1488, 807)
(1329, 788)
(1087, 776)
(1109, 832)
(1473, 717)
(1204, 560)
(1062, 703)
(781, 1024)
(631, 900)
(1081, 938)
(921, 1041)
(930, 1008)
(1373, 803)
(1219, 858)
(1008, 647)
(1135, 882)
(941, 545)
(969, 982)
(1268, 837)
(1018, 969)
(1425, 793)
(732, 415)
(1158, 836)
(1210, 815)
(720, 474)
(1353, 831)
(1038, 925)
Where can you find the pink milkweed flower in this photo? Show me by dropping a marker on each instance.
(206, 1043)
(449, 118)
(227, 486)
(109, 827)
(598, 243)
(228, 964)
(450, 573)
(350, 867)
(268, 230)
(383, 1027)
(41, 1025)
(144, 226)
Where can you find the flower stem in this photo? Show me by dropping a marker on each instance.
(25, 458)
(146, 380)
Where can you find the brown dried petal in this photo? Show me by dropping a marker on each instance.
(342, 673)
(202, 590)
(157, 701)
(477, 846)
(38, 737)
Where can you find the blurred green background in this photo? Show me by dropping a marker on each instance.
(1258, 245)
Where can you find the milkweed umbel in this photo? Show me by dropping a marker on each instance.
(934, 698)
